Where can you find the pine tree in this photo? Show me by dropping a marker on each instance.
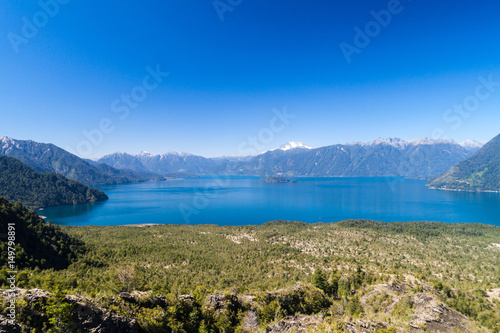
(319, 280)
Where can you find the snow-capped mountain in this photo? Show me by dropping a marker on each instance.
(421, 158)
(293, 145)
(473, 144)
(399, 143)
(170, 162)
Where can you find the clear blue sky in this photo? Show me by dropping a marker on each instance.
(226, 77)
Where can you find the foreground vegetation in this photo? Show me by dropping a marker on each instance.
(245, 278)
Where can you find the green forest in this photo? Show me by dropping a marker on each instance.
(208, 278)
(34, 189)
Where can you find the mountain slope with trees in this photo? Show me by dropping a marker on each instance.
(34, 189)
(38, 245)
(45, 157)
(481, 172)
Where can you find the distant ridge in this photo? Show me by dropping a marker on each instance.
(421, 158)
(481, 172)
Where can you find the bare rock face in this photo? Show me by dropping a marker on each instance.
(437, 317)
(217, 302)
(90, 318)
(297, 323)
(426, 314)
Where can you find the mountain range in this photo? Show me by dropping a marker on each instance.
(423, 158)
(46, 157)
(34, 189)
(481, 172)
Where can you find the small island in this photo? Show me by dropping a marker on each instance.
(278, 179)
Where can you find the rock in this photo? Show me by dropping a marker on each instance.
(127, 297)
(91, 318)
(113, 323)
(437, 317)
(251, 320)
(218, 301)
(297, 323)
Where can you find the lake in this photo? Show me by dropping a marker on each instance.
(249, 200)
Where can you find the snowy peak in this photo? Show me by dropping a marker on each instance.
(147, 154)
(427, 141)
(472, 144)
(395, 142)
(293, 145)
(401, 144)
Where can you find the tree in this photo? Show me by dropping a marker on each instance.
(333, 288)
(354, 308)
(319, 280)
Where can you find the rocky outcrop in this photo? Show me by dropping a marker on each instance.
(86, 316)
(91, 318)
(297, 323)
(386, 306)
(437, 317)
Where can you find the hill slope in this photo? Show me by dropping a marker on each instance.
(34, 189)
(37, 244)
(50, 158)
(282, 276)
(481, 172)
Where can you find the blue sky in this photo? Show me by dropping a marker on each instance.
(409, 78)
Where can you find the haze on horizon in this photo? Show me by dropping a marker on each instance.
(342, 72)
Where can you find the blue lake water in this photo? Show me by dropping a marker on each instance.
(250, 200)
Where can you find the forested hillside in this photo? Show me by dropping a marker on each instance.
(38, 245)
(481, 172)
(34, 189)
